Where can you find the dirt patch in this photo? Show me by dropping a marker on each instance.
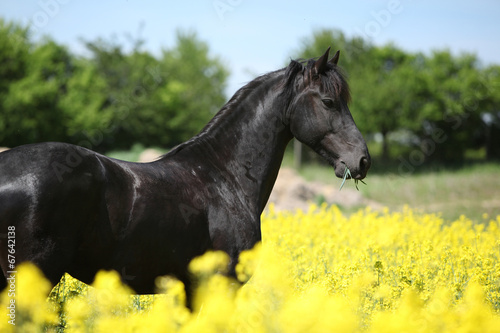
(292, 192)
(149, 155)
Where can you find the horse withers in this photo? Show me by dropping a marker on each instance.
(76, 211)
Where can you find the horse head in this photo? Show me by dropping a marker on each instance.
(319, 116)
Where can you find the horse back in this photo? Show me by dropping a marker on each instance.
(50, 173)
(48, 193)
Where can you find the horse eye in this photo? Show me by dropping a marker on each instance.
(328, 103)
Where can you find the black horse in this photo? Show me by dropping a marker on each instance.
(73, 210)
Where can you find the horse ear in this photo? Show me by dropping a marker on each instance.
(321, 65)
(335, 58)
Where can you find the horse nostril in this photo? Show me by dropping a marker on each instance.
(364, 163)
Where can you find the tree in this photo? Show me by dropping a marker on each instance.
(46, 93)
(14, 52)
(30, 109)
(439, 98)
(85, 107)
(450, 104)
(159, 101)
(194, 89)
(124, 97)
(15, 47)
(111, 99)
(491, 112)
(383, 91)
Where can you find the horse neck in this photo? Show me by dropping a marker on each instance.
(246, 140)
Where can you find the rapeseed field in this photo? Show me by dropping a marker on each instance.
(315, 271)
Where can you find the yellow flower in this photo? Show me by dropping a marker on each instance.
(210, 263)
(315, 270)
(109, 295)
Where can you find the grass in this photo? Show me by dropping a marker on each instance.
(473, 190)
(131, 155)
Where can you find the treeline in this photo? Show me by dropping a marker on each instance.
(108, 99)
(435, 106)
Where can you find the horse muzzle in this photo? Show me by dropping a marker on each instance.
(357, 170)
(342, 154)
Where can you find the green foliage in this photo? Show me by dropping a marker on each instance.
(455, 92)
(492, 118)
(159, 101)
(196, 85)
(30, 107)
(440, 98)
(445, 104)
(84, 103)
(383, 92)
(111, 99)
(13, 57)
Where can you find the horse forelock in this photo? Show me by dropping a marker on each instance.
(333, 80)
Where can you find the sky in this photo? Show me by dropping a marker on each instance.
(255, 37)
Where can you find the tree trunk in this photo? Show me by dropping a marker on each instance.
(385, 147)
(297, 154)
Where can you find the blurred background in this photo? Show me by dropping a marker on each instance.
(121, 76)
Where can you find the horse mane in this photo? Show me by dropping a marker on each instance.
(220, 116)
(333, 81)
(238, 97)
